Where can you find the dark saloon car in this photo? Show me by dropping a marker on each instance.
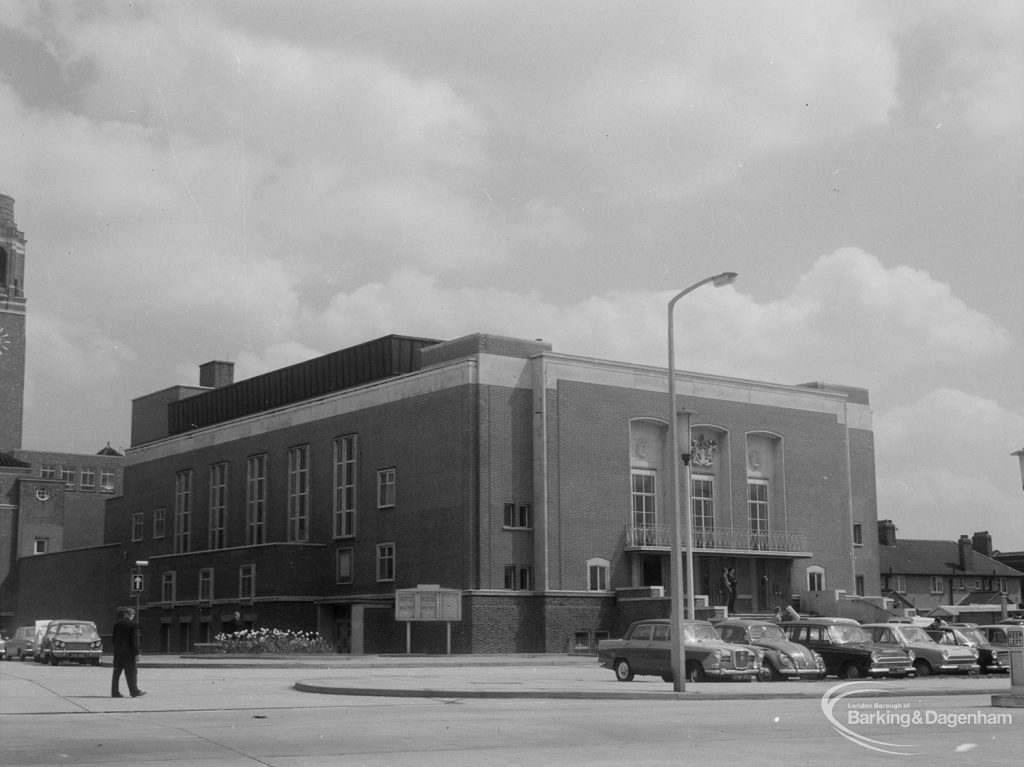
(646, 649)
(847, 648)
(991, 658)
(783, 659)
(930, 657)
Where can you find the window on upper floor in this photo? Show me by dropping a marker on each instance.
(858, 534)
(644, 497)
(859, 585)
(137, 526)
(218, 506)
(345, 486)
(386, 490)
(702, 502)
(206, 584)
(247, 583)
(67, 474)
(298, 494)
(757, 511)
(87, 478)
(898, 583)
(168, 588)
(48, 471)
(256, 499)
(385, 561)
(343, 565)
(107, 480)
(159, 523)
(518, 577)
(41, 546)
(938, 584)
(182, 511)
(518, 516)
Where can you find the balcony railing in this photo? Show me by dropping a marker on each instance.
(718, 538)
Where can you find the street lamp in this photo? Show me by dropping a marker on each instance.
(677, 650)
(1020, 457)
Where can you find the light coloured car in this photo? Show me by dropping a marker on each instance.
(71, 640)
(22, 644)
(930, 657)
(646, 650)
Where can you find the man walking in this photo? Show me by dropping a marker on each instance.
(126, 653)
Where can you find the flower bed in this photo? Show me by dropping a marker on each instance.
(274, 641)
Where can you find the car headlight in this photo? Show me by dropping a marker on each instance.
(875, 655)
(974, 652)
(97, 645)
(818, 660)
(911, 654)
(945, 654)
(58, 644)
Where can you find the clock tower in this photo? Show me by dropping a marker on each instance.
(12, 327)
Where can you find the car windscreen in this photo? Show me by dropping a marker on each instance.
(971, 637)
(848, 634)
(914, 634)
(75, 629)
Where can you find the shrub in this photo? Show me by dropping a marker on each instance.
(274, 641)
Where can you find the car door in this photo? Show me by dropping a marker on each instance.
(638, 653)
(660, 653)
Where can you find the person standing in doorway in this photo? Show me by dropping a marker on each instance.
(726, 588)
(731, 576)
(126, 654)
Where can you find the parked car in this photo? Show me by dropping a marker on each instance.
(71, 640)
(929, 656)
(991, 659)
(22, 644)
(646, 650)
(996, 634)
(782, 658)
(1012, 621)
(848, 649)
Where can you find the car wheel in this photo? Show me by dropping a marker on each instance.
(922, 668)
(54, 661)
(695, 672)
(767, 673)
(622, 670)
(851, 671)
(95, 661)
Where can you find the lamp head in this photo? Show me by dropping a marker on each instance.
(723, 279)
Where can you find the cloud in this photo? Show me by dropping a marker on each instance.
(945, 469)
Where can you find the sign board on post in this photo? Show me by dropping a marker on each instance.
(138, 581)
(428, 602)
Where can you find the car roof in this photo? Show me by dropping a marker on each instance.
(822, 621)
(745, 622)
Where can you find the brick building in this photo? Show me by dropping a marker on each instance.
(533, 482)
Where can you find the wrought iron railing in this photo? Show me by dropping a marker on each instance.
(660, 537)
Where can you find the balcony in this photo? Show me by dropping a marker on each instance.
(717, 539)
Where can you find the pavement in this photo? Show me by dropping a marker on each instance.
(539, 676)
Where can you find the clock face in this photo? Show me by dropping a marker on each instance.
(5, 341)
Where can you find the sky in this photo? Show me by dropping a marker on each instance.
(264, 182)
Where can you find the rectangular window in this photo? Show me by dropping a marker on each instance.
(518, 577)
(899, 584)
(41, 546)
(218, 506)
(247, 582)
(168, 587)
(206, 584)
(48, 471)
(106, 480)
(67, 473)
(815, 578)
(643, 499)
(859, 585)
(858, 534)
(345, 487)
(519, 516)
(703, 503)
(757, 512)
(385, 561)
(938, 584)
(343, 565)
(87, 478)
(159, 522)
(182, 511)
(598, 578)
(256, 500)
(961, 584)
(137, 521)
(386, 488)
(298, 494)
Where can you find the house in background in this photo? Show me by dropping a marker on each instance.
(959, 579)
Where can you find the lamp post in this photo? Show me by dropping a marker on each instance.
(1020, 457)
(677, 650)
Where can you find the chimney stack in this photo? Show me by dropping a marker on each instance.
(966, 553)
(216, 374)
(886, 532)
(982, 543)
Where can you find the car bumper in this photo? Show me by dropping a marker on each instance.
(722, 673)
(958, 668)
(76, 655)
(891, 671)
